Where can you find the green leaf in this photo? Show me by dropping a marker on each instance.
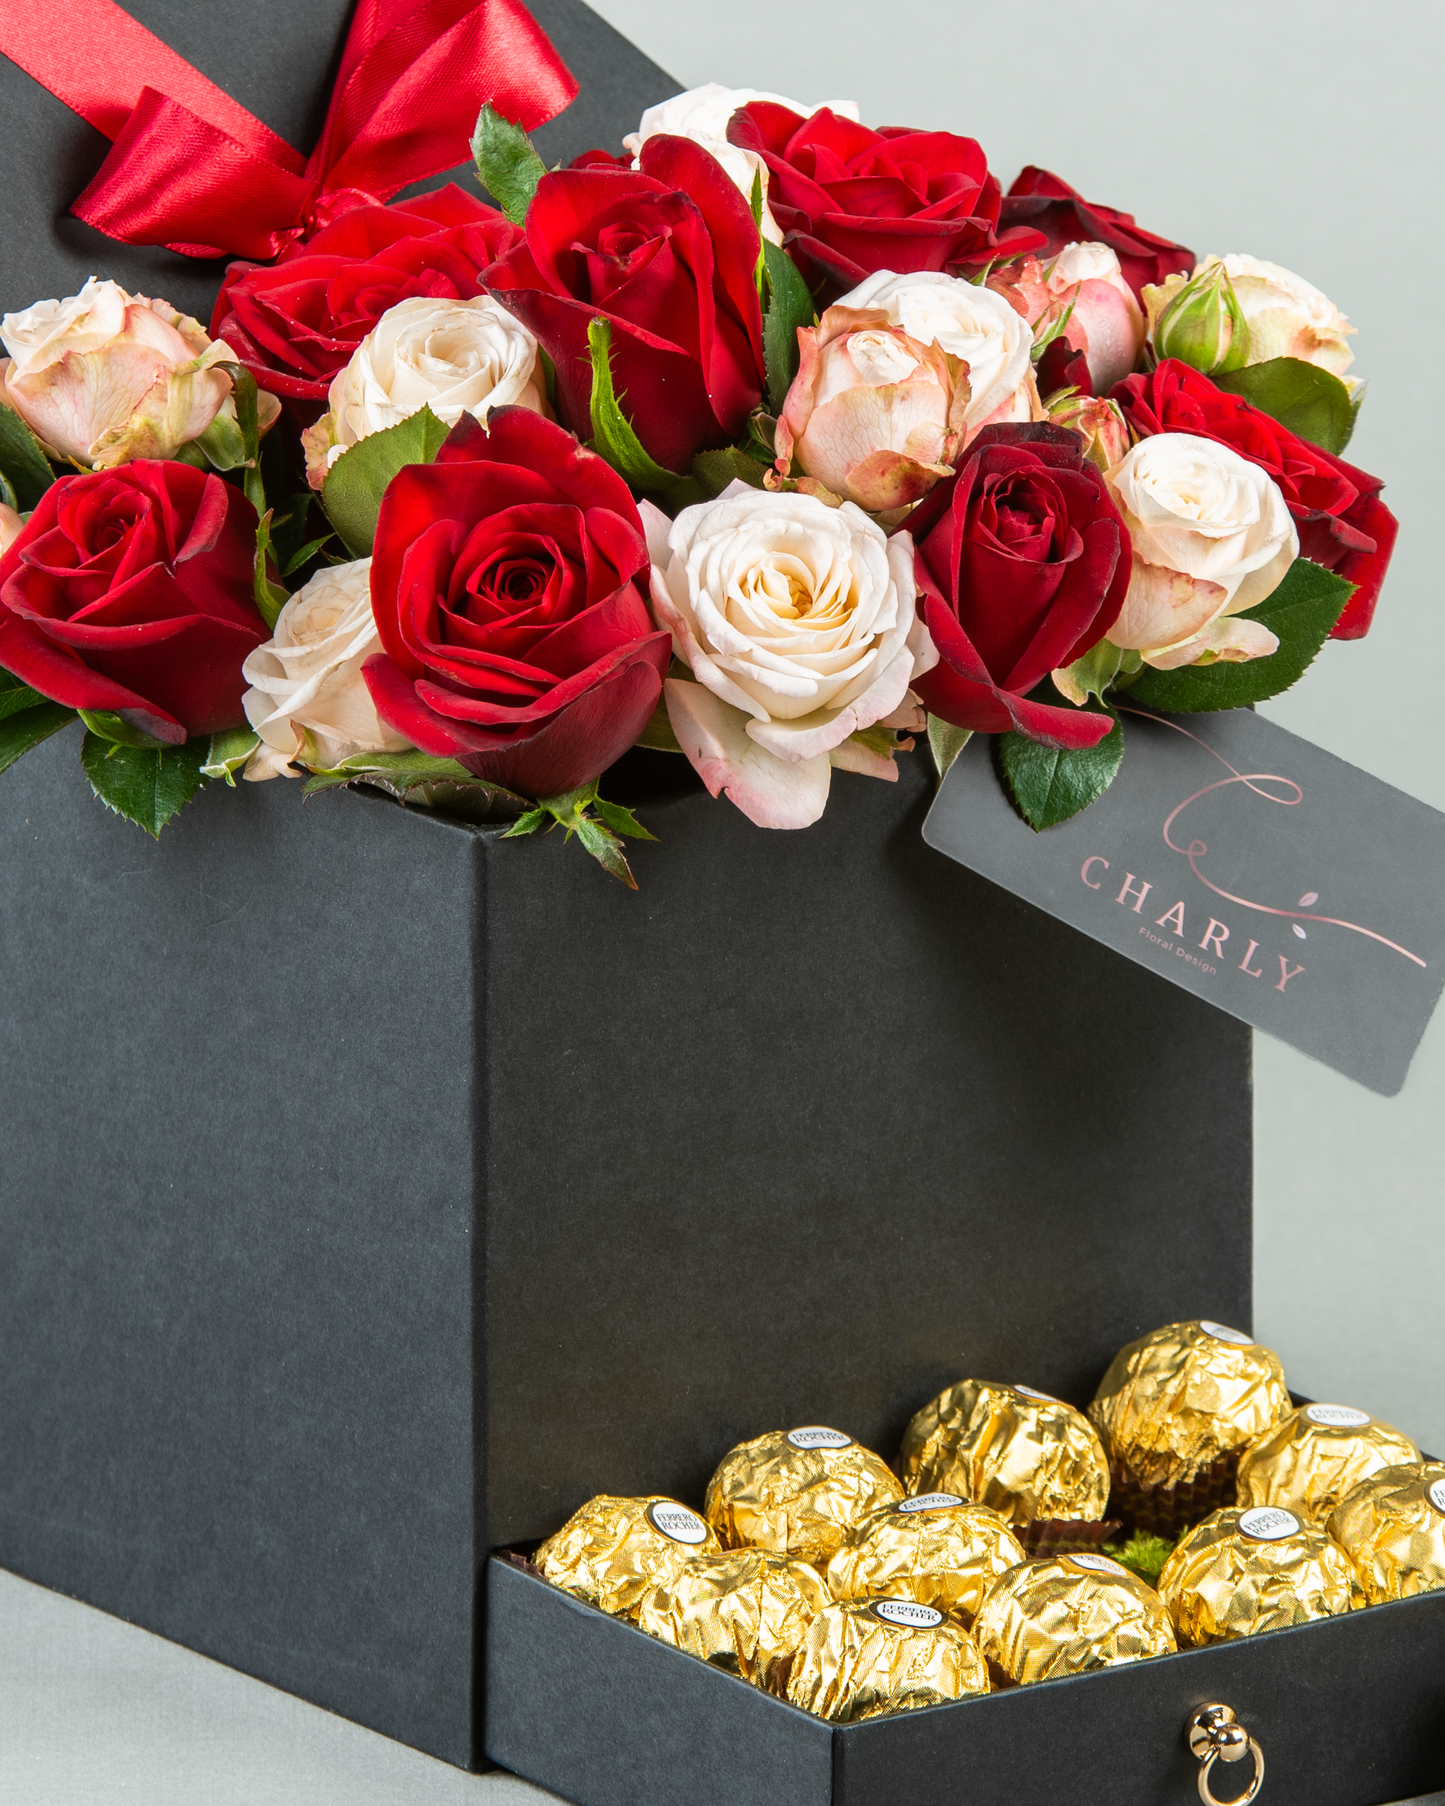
(304, 554)
(946, 742)
(1048, 785)
(25, 467)
(19, 732)
(790, 306)
(714, 470)
(228, 752)
(1304, 399)
(7, 494)
(270, 597)
(16, 696)
(570, 811)
(621, 820)
(612, 433)
(358, 479)
(146, 785)
(1300, 613)
(421, 781)
(247, 455)
(508, 166)
(606, 849)
(1090, 675)
(528, 824)
(117, 729)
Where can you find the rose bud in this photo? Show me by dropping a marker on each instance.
(104, 377)
(1099, 423)
(1286, 316)
(1082, 298)
(1199, 321)
(454, 357)
(1212, 537)
(308, 696)
(1022, 566)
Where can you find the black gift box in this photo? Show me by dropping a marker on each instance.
(376, 1190)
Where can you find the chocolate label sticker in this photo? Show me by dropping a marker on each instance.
(907, 1614)
(1337, 1417)
(1269, 1523)
(1097, 1564)
(1436, 1495)
(814, 1436)
(931, 1501)
(1235, 860)
(677, 1522)
(1223, 1333)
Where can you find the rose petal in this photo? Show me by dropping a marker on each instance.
(768, 790)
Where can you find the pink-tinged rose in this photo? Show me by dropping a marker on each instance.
(1099, 423)
(872, 414)
(1081, 297)
(104, 377)
(10, 527)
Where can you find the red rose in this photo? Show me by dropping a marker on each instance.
(667, 254)
(505, 585)
(1063, 216)
(1342, 522)
(129, 592)
(295, 323)
(852, 201)
(1022, 563)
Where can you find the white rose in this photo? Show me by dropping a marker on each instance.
(1212, 537)
(307, 694)
(1287, 316)
(455, 357)
(702, 114)
(971, 323)
(797, 621)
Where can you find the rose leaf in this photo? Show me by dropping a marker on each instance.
(1049, 784)
(27, 727)
(1300, 613)
(1306, 400)
(16, 696)
(508, 166)
(658, 734)
(621, 820)
(25, 467)
(946, 742)
(356, 482)
(790, 305)
(714, 470)
(228, 752)
(1090, 675)
(613, 435)
(421, 781)
(147, 785)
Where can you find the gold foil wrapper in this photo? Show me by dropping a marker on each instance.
(1067, 1613)
(742, 1610)
(1317, 1455)
(1247, 1570)
(615, 1551)
(888, 1655)
(1392, 1527)
(1178, 1400)
(797, 1492)
(1025, 1454)
(938, 1549)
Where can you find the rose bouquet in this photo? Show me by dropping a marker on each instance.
(771, 442)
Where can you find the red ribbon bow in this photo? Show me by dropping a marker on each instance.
(192, 169)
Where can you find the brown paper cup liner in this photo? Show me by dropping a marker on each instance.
(1169, 1511)
(1065, 1536)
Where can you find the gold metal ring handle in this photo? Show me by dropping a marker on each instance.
(1216, 1735)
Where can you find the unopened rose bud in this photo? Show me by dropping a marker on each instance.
(1199, 321)
(1099, 422)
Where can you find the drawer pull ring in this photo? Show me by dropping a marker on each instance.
(1216, 1735)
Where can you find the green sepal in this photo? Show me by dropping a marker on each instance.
(1092, 674)
(1310, 402)
(790, 305)
(1300, 613)
(16, 696)
(1049, 785)
(116, 729)
(270, 598)
(290, 546)
(25, 467)
(508, 166)
(26, 728)
(714, 470)
(597, 833)
(421, 780)
(243, 394)
(613, 436)
(356, 482)
(228, 752)
(946, 742)
(621, 820)
(147, 785)
(658, 735)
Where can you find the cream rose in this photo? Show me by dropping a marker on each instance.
(103, 377)
(797, 622)
(1212, 537)
(972, 324)
(702, 114)
(11, 527)
(454, 357)
(308, 697)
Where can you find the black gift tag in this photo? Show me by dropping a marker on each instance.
(1269, 877)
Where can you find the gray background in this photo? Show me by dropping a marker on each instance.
(1306, 133)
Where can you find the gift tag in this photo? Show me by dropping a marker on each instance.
(1282, 885)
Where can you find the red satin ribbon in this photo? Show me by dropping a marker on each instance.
(192, 169)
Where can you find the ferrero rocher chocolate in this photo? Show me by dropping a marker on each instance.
(1177, 1400)
(1392, 1526)
(1027, 1455)
(742, 1610)
(1317, 1455)
(797, 1492)
(1250, 1569)
(615, 1551)
(1065, 1613)
(886, 1655)
(937, 1548)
